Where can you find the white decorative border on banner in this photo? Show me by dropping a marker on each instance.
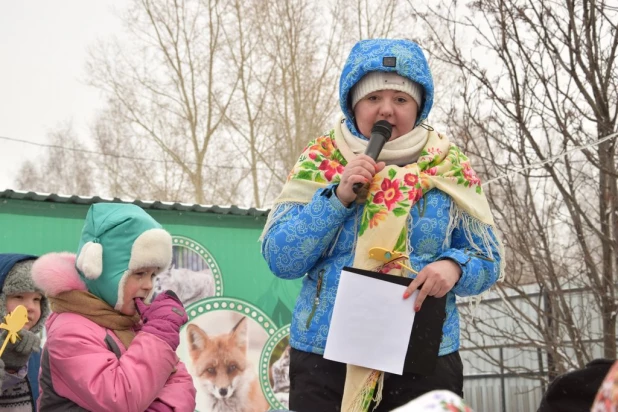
(223, 303)
(270, 345)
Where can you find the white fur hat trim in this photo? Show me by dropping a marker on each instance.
(90, 260)
(153, 248)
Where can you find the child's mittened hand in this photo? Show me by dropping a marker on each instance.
(16, 354)
(163, 317)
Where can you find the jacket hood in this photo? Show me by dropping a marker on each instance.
(403, 57)
(16, 278)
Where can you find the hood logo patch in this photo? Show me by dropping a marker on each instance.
(389, 61)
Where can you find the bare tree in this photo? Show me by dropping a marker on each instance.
(366, 19)
(287, 84)
(134, 168)
(167, 81)
(538, 79)
(302, 92)
(65, 167)
(246, 116)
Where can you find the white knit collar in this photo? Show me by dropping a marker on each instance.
(404, 150)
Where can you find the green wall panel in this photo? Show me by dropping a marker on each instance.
(43, 227)
(245, 286)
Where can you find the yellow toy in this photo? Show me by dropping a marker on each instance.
(15, 321)
(387, 256)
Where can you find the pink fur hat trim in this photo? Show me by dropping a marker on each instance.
(55, 273)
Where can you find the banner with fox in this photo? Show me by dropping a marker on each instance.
(235, 344)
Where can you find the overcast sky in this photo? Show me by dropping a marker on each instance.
(43, 49)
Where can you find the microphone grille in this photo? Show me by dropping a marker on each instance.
(382, 127)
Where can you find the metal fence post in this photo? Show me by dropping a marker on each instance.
(502, 383)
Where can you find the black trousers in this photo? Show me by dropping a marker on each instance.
(316, 384)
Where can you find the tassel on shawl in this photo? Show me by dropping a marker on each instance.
(371, 391)
(474, 227)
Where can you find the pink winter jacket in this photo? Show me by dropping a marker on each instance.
(85, 366)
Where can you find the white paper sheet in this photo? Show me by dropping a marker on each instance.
(371, 323)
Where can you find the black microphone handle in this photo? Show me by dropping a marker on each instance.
(380, 133)
(356, 187)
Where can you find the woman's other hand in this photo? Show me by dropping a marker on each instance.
(435, 279)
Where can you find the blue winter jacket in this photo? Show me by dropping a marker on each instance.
(297, 244)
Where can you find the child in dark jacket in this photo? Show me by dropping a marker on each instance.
(19, 364)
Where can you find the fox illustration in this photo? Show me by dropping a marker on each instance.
(223, 371)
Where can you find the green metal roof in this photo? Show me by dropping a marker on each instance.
(144, 204)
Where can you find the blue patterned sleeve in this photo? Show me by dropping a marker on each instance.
(295, 242)
(480, 264)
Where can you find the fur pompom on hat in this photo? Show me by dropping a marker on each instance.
(117, 239)
(375, 81)
(16, 278)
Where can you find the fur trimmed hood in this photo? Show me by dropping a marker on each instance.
(117, 239)
(399, 56)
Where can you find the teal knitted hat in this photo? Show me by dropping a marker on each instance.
(117, 239)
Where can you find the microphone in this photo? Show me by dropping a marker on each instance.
(380, 133)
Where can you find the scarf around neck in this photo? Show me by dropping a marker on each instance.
(404, 150)
(421, 161)
(440, 164)
(92, 308)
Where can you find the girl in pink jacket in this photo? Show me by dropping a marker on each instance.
(106, 350)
